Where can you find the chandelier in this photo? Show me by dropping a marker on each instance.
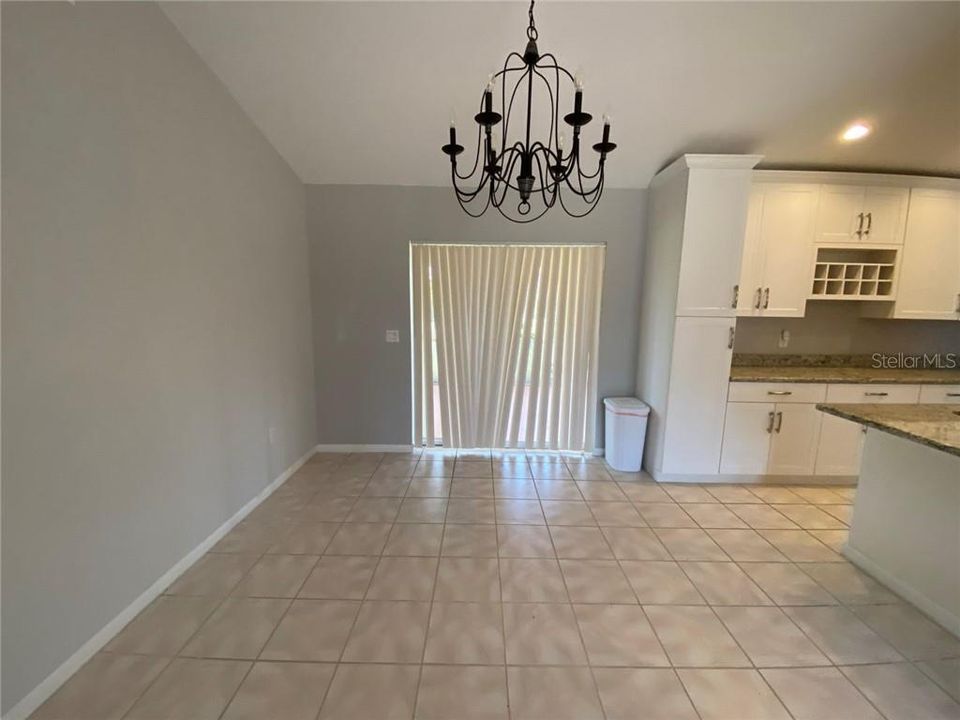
(542, 170)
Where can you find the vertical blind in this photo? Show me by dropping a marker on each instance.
(505, 344)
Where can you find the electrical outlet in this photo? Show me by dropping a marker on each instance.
(393, 336)
(784, 339)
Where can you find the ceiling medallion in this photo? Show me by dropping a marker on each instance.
(533, 169)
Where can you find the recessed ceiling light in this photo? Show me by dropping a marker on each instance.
(856, 131)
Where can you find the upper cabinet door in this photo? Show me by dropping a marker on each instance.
(930, 266)
(840, 214)
(789, 214)
(715, 220)
(750, 290)
(885, 215)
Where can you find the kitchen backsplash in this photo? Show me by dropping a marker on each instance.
(832, 329)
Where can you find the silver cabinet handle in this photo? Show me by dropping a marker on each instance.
(736, 296)
(869, 223)
(779, 392)
(733, 333)
(860, 225)
(756, 303)
(779, 422)
(770, 421)
(876, 394)
(766, 298)
(953, 394)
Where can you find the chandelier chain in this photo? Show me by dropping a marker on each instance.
(532, 28)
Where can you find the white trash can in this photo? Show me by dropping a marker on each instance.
(624, 432)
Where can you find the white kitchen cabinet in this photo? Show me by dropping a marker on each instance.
(793, 442)
(699, 373)
(839, 447)
(930, 266)
(857, 214)
(776, 272)
(762, 438)
(695, 223)
(746, 438)
(714, 223)
(885, 215)
(940, 394)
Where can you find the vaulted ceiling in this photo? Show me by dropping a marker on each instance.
(361, 92)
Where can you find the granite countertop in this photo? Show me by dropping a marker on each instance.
(848, 374)
(935, 425)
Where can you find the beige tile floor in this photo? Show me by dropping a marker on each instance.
(504, 585)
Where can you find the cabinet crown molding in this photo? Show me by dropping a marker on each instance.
(826, 177)
(707, 161)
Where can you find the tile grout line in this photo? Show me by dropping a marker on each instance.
(576, 621)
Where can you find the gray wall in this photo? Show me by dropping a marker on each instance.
(359, 243)
(838, 328)
(156, 318)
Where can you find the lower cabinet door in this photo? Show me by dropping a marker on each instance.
(793, 444)
(841, 442)
(746, 438)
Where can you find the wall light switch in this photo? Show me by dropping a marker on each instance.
(784, 339)
(393, 336)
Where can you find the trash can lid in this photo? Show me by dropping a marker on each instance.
(626, 406)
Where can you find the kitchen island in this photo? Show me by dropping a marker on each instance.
(905, 529)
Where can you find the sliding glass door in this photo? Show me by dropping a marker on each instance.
(505, 344)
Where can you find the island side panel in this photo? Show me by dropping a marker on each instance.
(906, 523)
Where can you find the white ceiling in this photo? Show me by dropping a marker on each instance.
(361, 92)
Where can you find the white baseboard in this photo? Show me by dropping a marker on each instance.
(838, 480)
(363, 448)
(36, 697)
(942, 615)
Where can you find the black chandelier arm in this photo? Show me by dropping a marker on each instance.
(549, 156)
(545, 188)
(554, 104)
(591, 204)
(515, 152)
(476, 159)
(523, 220)
(554, 65)
(555, 120)
(463, 205)
(585, 194)
(509, 107)
(469, 195)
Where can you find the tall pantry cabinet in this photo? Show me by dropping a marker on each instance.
(696, 221)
